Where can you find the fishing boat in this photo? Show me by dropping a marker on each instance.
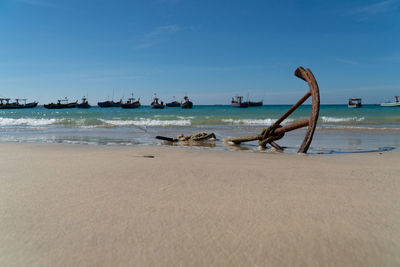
(84, 104)
(354, 103)
(254, 104)
(238, 103)
(131, 103)
(5, 104)
(109, 104)
(61, 104)
(173, 104)
(186, 103)
(156, 104)
(396, 103)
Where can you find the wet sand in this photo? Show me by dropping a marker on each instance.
(66, 205)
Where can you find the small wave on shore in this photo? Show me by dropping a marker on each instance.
(341, 119)
(148, 122)
(26, 122)
(266, 122)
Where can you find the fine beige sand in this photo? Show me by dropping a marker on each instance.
(66, 205)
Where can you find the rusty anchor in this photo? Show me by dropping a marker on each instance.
(276, 131)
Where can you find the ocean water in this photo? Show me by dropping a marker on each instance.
(340, 129)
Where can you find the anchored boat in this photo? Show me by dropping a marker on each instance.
(173, 104)
(396, 103)
(186, 103)
(5, 104)
(131, 103)
(254, 104)
(238, 103)
(109, 104)
(156, 104)
(84, 104)
(354, 103)
(61, 104)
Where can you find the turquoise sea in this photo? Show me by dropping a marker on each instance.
(340, 129)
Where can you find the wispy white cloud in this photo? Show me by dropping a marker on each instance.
(158, 35)
(42, 3)
(347, 61)
(376, 8)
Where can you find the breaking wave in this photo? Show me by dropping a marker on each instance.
(253, 121)
(26, 122)
(148, 122)
(345, 119)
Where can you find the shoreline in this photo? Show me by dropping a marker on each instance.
(326, 140)
(64, 205)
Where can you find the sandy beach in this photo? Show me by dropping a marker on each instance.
(67, 205)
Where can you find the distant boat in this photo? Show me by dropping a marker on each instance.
(131, 103)
(5, 104)
(396, 103)
(173, 104)
(186, 103)
(109, 104)
(238, 103)
(156, 104)
(254, 104)
(354, 103)
(84, 104)
(61, 104)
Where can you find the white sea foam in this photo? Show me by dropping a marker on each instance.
(148, 122)
(267, 121)
(187, 117)
(26, 122)
(338, 119)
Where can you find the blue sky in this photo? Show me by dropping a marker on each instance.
(209, 49)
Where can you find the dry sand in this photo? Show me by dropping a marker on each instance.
(65, 205)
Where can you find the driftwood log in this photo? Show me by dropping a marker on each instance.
(189, 138)
(276, 131)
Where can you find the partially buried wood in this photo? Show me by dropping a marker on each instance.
(189, 138)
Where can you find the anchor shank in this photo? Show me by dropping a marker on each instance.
(291, 127)
(238, 140)
(293, 108)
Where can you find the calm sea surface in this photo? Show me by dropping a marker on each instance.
(340, 129)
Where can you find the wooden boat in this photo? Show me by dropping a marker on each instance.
(173, 104)
(186, 103)
(157, 105)
(131, 103)
(109, 104)
(254, 104)
(238, 103)
(84, 104)
(354, 103)
(61, 104)
(5, 104)
(396, 103)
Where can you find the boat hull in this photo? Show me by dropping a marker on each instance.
(240, 105)
(173, 105)
(188, 104)
(83, 105)
(61, 106)
(390, 104)
(134, 105)
(159, 106)
(355, 106)
(109, 104)
(12, 106)
(255, 104)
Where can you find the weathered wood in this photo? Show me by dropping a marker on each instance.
(276, 131)
(308, 76)
(294, 126)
